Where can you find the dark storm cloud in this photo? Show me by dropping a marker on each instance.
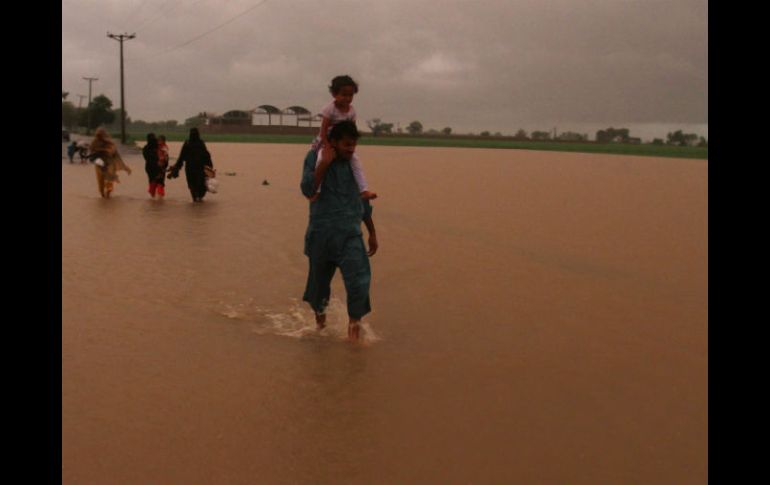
(472, 65)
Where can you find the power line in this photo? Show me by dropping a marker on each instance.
(157, 17)
(190, 41)
(152, 18)
(217, 27)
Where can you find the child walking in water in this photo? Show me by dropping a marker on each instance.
(71, 149)
(163, 159)
(342, 89)
(155, 175)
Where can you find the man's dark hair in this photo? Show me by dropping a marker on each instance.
(340, 82)
(344, 129)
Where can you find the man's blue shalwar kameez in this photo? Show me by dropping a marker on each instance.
(334, 239)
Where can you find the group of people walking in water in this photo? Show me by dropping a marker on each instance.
(194, 156)
(194, 153)
(332, 180)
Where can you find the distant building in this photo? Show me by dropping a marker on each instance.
(269, 110)
(262, 119)
(299, 113)
(302, 115)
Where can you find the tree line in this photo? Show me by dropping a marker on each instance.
(378, 127)
(609, 135)
(678, 138)
(103, 114)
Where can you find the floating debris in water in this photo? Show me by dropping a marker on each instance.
(230, 173)
(265, 182)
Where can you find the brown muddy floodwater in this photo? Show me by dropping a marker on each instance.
(538, 318)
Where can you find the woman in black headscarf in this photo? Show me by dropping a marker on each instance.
(155, 173)
(196, 155)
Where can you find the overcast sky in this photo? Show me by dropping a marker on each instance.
(496, 65)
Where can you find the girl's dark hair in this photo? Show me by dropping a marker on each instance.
(151, 139)
(195, 135)
(341, 81)
(344, 129)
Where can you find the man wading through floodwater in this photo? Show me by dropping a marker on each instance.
(333, 238)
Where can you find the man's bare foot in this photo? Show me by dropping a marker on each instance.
(354, 331)
(320, 320)
(366, 195)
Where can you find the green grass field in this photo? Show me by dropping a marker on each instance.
(611, 148)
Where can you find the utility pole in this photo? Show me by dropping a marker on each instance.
(80, 101)
(90, 80)
(120, 38)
